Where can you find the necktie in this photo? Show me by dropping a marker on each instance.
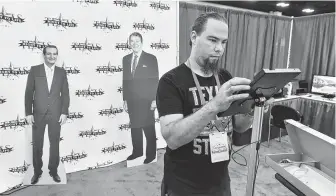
(134, 64)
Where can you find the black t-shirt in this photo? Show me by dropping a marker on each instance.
(189, 169)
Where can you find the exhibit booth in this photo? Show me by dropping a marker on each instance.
(93, 44)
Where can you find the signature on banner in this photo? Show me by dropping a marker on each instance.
(89, 92)
(159, 5)
(60, 22)
(14, 187)
(73, 157)
(125, 3)
(113, 148)
(70, 70)
(12, 72)
(123, 46)
(73, 115)
(111, 111)
(21, 169)
(124, 126)
(109, 69)
(18, 123)
(86, 46)
(9, 17)
(143, 26)
(92, 133)
(159, 45)
(86, 2)
(106, 25)
(2, 100)
(6, 149)
(99, 165)
(35, 44)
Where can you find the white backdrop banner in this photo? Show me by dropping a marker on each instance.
(92, 38)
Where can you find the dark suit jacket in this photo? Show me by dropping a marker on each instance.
(145, 81)
(38, 100)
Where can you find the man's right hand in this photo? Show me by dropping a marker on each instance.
(226, 96)
(30, 119)
(125, 106)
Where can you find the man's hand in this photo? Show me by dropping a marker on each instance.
(62, 119)
(125, 106)
(153, 105)
(30, 119)
(226, 96)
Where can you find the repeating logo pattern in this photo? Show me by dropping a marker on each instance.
(106, 25)
(2, 100)
(60, 22)
(159, 45)
(13, 72)
(90, 92)
(92, 133)
(110, 112)
(87, 2)
(33, 44)
(75, 115)
(63, 23)
(159, 6)
(125, 3)
(74, 157)
(6, 149)
(10, 18)
(143, 25)
(86, 46)
(20, 169)
(109, 69)
(17, 124)
(114, 148)
(71, 70)
(101, 164)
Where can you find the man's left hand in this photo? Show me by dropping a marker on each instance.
(153, 105)
(62, 119)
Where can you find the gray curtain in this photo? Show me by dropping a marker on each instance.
(255, 42)
(313, 46)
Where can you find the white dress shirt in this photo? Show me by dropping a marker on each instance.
(49, 74)
(138, 54)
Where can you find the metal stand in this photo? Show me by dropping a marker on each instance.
(255, 144)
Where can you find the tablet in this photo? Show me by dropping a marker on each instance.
(266, 83)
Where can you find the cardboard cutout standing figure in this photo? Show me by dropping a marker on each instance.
(47, 104)
(140, 81)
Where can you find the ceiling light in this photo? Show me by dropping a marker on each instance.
(282, 4)
(308, 10)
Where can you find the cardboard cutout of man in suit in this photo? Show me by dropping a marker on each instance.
(47, 103)
(140, 80)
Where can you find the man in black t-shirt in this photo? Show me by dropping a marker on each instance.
(189, 97)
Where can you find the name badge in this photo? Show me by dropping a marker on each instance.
(219, 148)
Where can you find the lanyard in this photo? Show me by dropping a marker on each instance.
(198, 85)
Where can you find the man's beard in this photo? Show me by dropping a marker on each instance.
(210, 66)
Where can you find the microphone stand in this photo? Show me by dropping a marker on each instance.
(255, 144)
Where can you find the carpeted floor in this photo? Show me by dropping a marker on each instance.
(117, 180)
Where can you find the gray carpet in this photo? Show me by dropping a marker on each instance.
(117, 180)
